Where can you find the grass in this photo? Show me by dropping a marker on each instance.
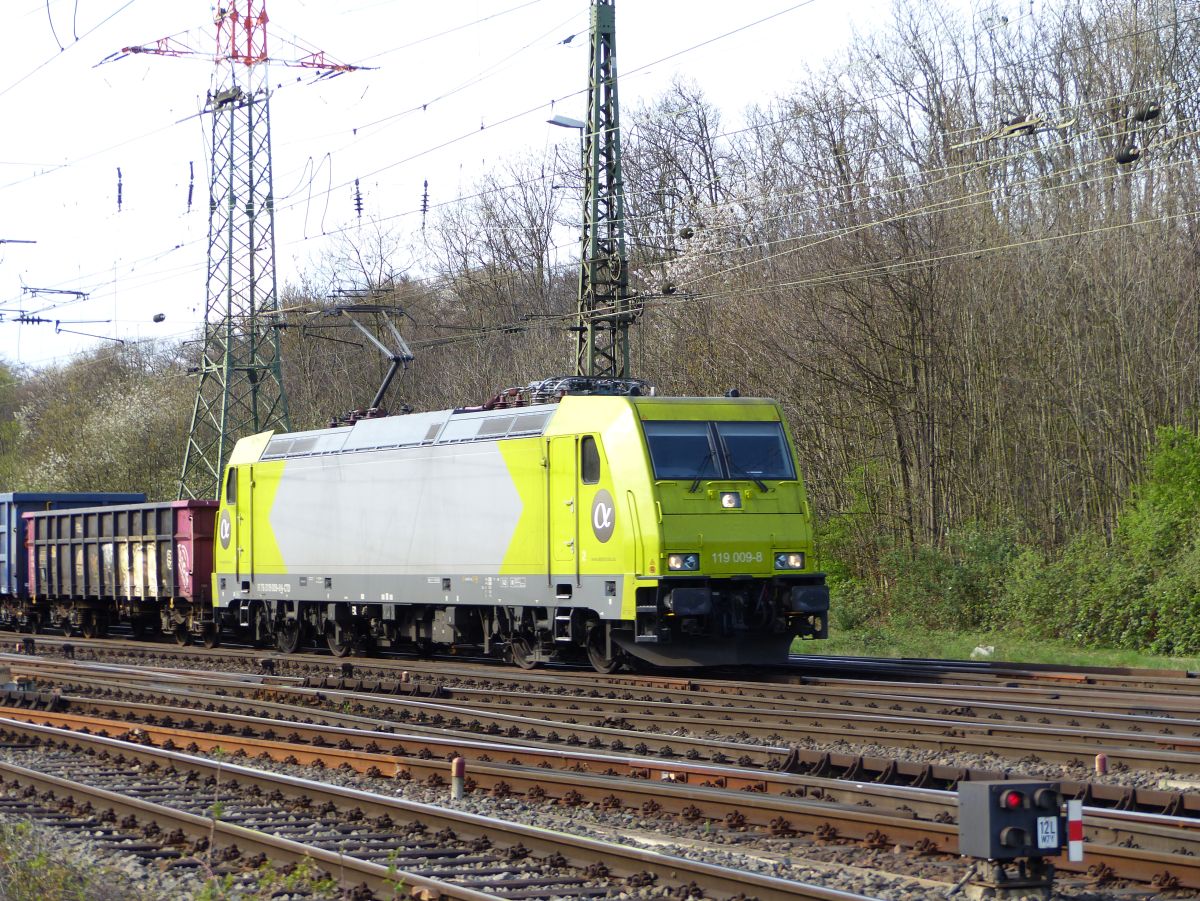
(899, 642)
(35, 867)
(37, 864)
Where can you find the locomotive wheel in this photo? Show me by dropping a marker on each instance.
(596, 656)
(287, 638)
(340, 639)
(210, 636)
(183, 637)
(522, 653)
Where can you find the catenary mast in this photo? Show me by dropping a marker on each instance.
(606, 309)
(240, 391)
(240, 388)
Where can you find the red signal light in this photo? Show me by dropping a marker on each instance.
(1011, 800)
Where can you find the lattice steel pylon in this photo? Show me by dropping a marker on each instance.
(606, 309)
(241, 383)
(240, 391)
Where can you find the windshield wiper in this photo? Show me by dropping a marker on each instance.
(701, 473)
(762, 486)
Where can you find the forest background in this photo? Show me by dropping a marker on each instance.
(984, 336)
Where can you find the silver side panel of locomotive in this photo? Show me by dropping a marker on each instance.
(397, 512)
(415, 509)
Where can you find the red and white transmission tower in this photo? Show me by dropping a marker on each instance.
(241, 383)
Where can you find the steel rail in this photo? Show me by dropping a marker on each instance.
(800, 668)
(427, 715)
(1166, 847)
(802, 770)
(579, 851)
(817, 715)
(351, 871)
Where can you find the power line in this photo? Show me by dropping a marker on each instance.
(78, 38)
(957, 202)
(826, 280)
(907, 188)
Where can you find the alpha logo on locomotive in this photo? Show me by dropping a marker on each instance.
(226, 529)
(604, 515)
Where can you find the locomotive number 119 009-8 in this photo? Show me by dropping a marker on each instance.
(737, 556)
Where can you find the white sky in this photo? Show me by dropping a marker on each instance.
(69, 124)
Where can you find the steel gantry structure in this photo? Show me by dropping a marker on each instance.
(240, 390)
(606, 309)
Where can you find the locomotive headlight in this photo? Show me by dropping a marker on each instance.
(789, 560)
(683, 562)
(731, 500)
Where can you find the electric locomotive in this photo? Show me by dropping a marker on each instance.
(618, 528)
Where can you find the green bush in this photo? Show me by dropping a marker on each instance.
(954, 586)
(1138, 591)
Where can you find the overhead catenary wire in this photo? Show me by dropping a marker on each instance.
(948, 171)
(78, 39)
(905, 188)
(804, 242)
(823, 280)
(811, 209)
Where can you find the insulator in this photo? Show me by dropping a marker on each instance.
(1128, 154)
(1147, 112)
(686, 232)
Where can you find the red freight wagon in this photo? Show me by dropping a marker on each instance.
(92, 566)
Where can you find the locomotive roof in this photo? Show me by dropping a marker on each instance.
(441, 427)
(413, 430)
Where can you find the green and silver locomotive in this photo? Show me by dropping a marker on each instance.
(611, 528)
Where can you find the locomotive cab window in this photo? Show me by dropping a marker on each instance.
(755, 450)
(589, 461)
(682, 450)
(231, 486)
(718, 450)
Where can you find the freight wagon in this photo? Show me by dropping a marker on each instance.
(14, 559)
(147, 564)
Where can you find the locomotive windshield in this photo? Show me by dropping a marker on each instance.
(686, 449)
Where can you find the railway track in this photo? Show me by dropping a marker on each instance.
(1137, 699)
(362, 837)
(262, 694)
(1153, 849)
(1148, 848)
(802, 670)
(754, 731)
(680, 748)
